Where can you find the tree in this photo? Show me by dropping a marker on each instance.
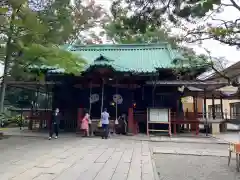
(142, 14)
(118, 31)
(155, 12)
(35, 29)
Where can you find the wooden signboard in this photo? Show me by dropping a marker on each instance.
(158, 116)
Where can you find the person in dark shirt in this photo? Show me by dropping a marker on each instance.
(54, 124)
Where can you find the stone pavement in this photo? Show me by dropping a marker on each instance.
(193, 161)
(194, 152)
(187, 167)
(176, 139)
(188, 138)
(75, 159)
(233, 137)
(194, 149)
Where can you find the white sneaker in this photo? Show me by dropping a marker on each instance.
(49, 138)
(56, 137)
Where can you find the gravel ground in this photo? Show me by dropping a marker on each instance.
(187, 167)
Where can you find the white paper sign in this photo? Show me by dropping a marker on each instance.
(159, 115)
(94, 98)
(117, 98)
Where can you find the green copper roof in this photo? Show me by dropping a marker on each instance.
(128, 57)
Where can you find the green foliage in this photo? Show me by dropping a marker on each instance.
(51, 55)
(118, 31)
(32, 31)
(142, 13)
(33, 34)
(4, 118)
(17, 119)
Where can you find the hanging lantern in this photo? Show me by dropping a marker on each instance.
(228, 90)
(94, 98)
(181, 89)
(134, 105)
(117, 98)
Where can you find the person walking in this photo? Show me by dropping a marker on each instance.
(54, 125)
(85, 125)
(105, 123)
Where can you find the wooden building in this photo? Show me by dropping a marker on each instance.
(138, 80)
(126, 79)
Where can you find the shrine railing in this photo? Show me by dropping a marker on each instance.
(187, 121)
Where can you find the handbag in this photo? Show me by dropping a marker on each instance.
(116, 122)
(99, 124)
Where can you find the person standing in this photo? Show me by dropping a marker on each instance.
(54, 125)
(85, 125)
(105, 123)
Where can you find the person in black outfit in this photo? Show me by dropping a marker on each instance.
(54, 124)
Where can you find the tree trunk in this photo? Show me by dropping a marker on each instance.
(6, 63)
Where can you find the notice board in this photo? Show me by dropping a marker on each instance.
(158, 115)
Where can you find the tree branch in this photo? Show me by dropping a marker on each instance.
(235, 5)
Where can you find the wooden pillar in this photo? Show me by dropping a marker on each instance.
(192, 118)
(194, 105)
(223, 126)
(130, 120)
(205, 112)
(177, 119)
(221, 104)
(205, 105)
(147, 122)
(213, 108)
(79, 118)
(196, 116)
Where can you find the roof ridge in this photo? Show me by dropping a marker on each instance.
(135, 46)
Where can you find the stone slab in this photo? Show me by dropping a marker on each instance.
(75, 159)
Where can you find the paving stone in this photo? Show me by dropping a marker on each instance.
(71, 159)
(63, 155)
(105, 174)
(15, 170)
(73, 172)
(75, 159)
(127, 156)
(92, 172)
(147, 176)
(29, 174)
(49, 163)
(146, 159)
(119, 176)
(135, 170)
(113, 161)
(147, 168)
(7, 175)
(123, 168)
(45, 177)
(80, 166)
(57, 168)
(105, 156)
(109, 168)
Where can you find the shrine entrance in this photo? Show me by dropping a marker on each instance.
(123, 79)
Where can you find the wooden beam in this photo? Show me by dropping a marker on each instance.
(31, 83)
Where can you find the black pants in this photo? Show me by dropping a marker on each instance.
(105, 131)
(90, 129)
(53, 128)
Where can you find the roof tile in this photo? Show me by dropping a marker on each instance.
(130, 57)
